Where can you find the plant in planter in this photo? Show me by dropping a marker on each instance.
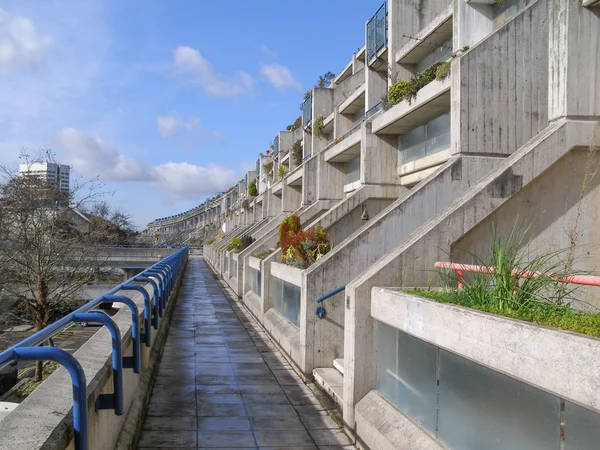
(319, 127)
(282, 171)
(245, 204)
(268, 167)
(297, 152)
(263, 255)
(234, 243)
(407, 89)
(252, 189)
(300, 248)
(508, 289)
(443, 71)
(244, 242)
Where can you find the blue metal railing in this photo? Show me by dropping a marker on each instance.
(307, 110)
(276, 146)
(377, 32)
(166, 272)
(321, 311)
(373, 110)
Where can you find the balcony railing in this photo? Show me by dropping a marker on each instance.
(307, 110)
(276, 146)
(377, 32)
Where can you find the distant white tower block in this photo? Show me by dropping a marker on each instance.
(59, 174)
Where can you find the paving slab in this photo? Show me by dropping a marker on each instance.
(222, 384)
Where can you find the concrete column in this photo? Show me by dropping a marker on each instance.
(322, 105)
(330, 179)
(291, 197)
(378, 157)
(573, 60)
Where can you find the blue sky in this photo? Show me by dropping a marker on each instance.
(166, 102)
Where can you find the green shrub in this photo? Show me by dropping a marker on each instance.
(443, 71)
(297, 152)
(212, 241)
(407, 89)
(282, 171)
(234, 243)
(244, 242)
(252, 189)
(263, 255)
(542, 299)
(319, 127)
(268, 167)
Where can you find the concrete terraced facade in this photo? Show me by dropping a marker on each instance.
(510, 133)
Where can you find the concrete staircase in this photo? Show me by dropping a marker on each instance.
(331, 380)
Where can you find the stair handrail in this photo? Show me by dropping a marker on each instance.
(321, 311)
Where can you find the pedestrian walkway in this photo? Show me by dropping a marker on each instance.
(223, 384)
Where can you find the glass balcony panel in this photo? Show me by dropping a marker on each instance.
(377, 32)
(582, 428)
(412, 145)
(407, 374)
(353, 170)
(483, 409)
(438, 134)
(307, 110)
(255, 282)
(287, 301)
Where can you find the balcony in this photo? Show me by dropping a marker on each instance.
(430, 102)
(348, 148)
(355, 103)
(377, 36)
(295, 177)
(307, 111)
(439, 30)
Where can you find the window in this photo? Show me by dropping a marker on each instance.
(427, 139)
(353, 170)
(287, 301)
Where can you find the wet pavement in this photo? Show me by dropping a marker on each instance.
(222, 383)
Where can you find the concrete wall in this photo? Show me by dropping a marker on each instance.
(500, 87)
(411, 263)
(561, 209)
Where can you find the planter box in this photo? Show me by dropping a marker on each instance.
(290, 274)
(560, 362)
(254, 262)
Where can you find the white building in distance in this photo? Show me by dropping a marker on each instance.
(53, 172)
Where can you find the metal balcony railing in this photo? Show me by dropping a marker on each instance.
(276, 146)
(307, 110)
(162, 276)
(377, 32)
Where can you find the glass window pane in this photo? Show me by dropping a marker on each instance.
(407, 374)
(582, 428)
(483, 409)
(287, 301)
(412, 145)
(353, 170)
(438, 134)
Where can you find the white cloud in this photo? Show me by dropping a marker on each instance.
(189, 181)
(188, 133)
(20, 43)
(189, 60)
(280, 77)
(267, 51)
(92, 157)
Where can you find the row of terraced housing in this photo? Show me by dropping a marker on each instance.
(504, 124)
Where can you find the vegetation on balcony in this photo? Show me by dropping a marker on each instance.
(319, 127)
(263, 255)
(268, 168)
(252, 189)
(212, 241)
(282, 171)
(408, 89)
(297, 152)
(240, 243)
(301, 248)
(245, 204)
(543, 299)
(297, 124)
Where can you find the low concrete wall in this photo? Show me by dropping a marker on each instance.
(44, 419)
(289, 274)
(560, 362)
(411, 262)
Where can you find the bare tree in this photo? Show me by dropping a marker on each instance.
(47, 249)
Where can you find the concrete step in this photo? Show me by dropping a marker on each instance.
(332, 382)
(339, 365)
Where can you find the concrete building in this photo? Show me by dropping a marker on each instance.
(56, 173)
(455, 116)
